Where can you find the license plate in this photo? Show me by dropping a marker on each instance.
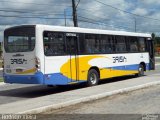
(19, 70)
(8, 70)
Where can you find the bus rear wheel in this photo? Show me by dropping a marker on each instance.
(140, 71)
(93, 78)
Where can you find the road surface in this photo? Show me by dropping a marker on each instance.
(17, 92)
(143, 104)
(144, 101)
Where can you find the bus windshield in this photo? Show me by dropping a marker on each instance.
(20, 39)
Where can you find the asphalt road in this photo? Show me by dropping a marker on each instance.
(17, 92)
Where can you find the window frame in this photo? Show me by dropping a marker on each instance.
(130, 38)
(145, 44)
(28, 31)
(64, 40)
(124, 43)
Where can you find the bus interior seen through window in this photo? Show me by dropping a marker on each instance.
(93, 44)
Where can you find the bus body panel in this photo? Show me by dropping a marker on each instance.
(110, 65)
(39, 50)
(19, 63)
(53, 74)
(19, 56)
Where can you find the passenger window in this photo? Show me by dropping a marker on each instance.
(82, 48)
(120, 44)
(142, 44)
(54, 43)
(133, 44)
(92, 43)
(106, 44)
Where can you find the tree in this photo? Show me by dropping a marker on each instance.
(153, 36)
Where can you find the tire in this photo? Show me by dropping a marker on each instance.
(93, 78)
(140, 71)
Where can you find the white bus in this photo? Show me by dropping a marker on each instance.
(54, 55)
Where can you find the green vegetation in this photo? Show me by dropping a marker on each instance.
(157, 55)
(1, 79)
(157, 44)
(157, 41)
(0, 64)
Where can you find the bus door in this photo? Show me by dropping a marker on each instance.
(150, 47)
(72, 48)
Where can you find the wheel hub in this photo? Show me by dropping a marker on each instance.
(93, 78)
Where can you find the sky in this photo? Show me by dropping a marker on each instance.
(122, 15)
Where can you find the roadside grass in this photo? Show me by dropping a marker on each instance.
(157, 55)
(1, 79)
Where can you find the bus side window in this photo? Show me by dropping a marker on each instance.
(82, 49)
(142, 44)
(120, 44)
(54, 43)
(133, 44)
(90, 43)
(106, 46)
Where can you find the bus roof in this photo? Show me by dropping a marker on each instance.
(86, 30)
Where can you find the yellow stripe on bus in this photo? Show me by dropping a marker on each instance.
(33, 70)
(70, 70)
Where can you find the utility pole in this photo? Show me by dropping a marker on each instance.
(74, 7)
(65, 17)
(135, 27)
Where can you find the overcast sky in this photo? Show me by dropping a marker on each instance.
(101, 14)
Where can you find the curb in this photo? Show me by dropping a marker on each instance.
(87, 99)
(2, 83)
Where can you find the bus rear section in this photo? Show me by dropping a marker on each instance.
(19, 56)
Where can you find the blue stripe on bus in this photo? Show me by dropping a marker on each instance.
(39, 78)
(58, 79)
(55, 78)
(129, 67)
(24, 79)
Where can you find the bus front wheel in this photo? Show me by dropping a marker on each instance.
(93, 77)
(140, 71)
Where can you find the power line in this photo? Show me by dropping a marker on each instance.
(34, 3)
(37, 13)
(100, 22)
(89, 19)
(91, 11)
(125, 11)
(32, 17)
(48, 12)
(135, 21)
(96, 23)
(78, 3)
(102, 19)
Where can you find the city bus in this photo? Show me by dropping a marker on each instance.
(56, 55)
